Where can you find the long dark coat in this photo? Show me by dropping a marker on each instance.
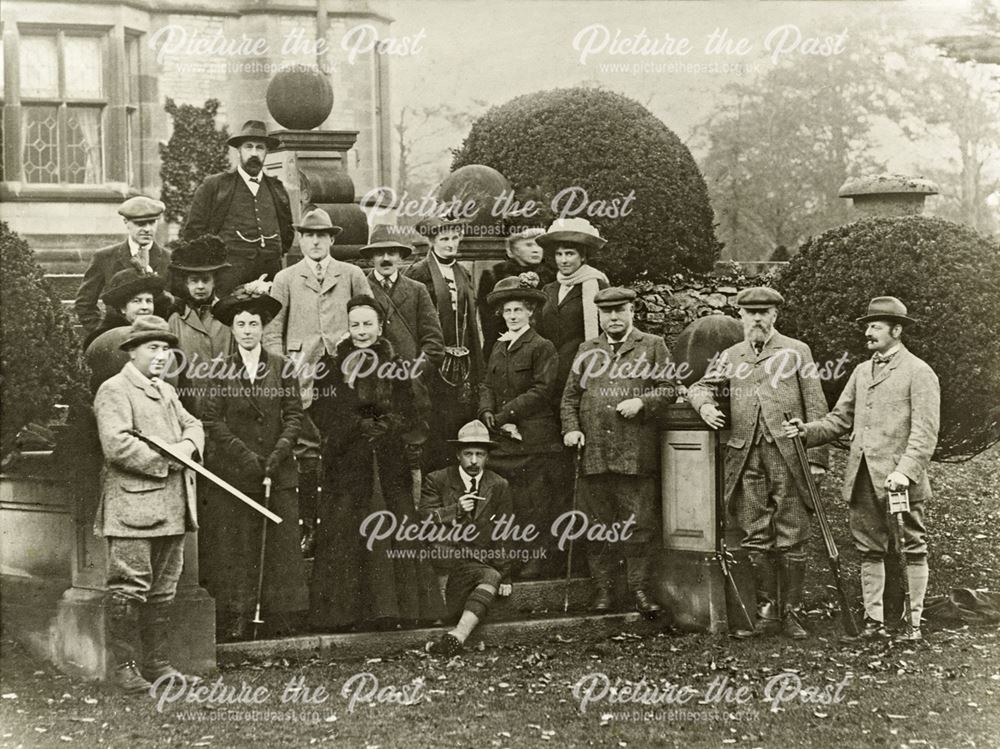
(365, 474)
(245, 422)
(563, 325)
(411, 320)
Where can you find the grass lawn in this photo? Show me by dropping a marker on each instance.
(944, 692)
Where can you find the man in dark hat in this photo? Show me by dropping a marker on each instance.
(147, 502)
(454, 390)
(474, 566)
(618, 386)
(411, 321)
(196, 267)
(892, 405)
(128, 295)
(313, 318)
(139, 251)
(247, 208)
(768, 374)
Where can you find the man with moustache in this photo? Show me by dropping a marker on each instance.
(765, 487)
(411, 323)
(147, 503)
(139, 252)
(523, 254)
(617, 389)
(249, 209)
(891, 407)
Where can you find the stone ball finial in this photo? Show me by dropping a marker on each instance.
(300, 98)
(888, 194)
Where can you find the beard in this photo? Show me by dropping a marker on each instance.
(252, 166)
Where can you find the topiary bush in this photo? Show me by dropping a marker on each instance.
(609, 145)
(949, 278)
(195, 150)
(40, 362)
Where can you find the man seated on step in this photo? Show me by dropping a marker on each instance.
(476, 566)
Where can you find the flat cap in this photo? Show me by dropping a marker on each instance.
(759, 296)
(140, 207)
(613, 296)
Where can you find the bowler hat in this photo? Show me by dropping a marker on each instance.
(759, 297)
(474, 433)
(202, 254)
(576, 231)
(613, 296)
(521, 287)
(253, 130)
(381, 240)
(148, 328)
(317, 220)
(125, 284)
(886, 308)
(241, 300)
(140, 207)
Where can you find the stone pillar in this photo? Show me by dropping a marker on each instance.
(690, 582)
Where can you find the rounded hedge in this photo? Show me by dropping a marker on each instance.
(40, 362)
(609, 146)
(949, 278)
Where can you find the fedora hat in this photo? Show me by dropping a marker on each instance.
(125, 284)
(148, 328)
(253, 130)
(474, 433)
(317, 220)
(577, 231)
(522, 287)
(886, 308)
(202, 254)
(381, 240)
(241, 300)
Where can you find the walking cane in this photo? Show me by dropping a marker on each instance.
(569, 556)
(899, 502)
(260, 562)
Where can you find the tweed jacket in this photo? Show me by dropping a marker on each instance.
(426, 271)
(245, 422)
(105, 263)
(562, 323)
(411, 321)
(142, 496)
(519, 386)
(893, 416)
(313, 318)
(213, 197)
(766, 384)
(200, 341)
(439, 495)
(599, 380)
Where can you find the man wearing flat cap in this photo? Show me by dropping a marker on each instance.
(147, 502)
(248, 208)
(891, 407)
(138, 251)
(767, 375)
(619, 384)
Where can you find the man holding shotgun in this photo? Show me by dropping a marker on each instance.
(765, 486)
(891, 408)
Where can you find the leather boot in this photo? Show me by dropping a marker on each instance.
(155, 627)
(602, 573)
(765, 577)
(638, 567)
(793, 574)
(309, 489)
(122, 628)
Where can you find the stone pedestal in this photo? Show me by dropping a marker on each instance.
(690, 582)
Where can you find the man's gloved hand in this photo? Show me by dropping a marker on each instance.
(896, 481)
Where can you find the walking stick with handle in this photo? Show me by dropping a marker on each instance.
(833, 556)
(569, 557)
(899, 502)
(260, 562)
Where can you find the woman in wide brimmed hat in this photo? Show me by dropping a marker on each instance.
(374, 422)
(515, 399)
(252, 420)
(569, 315)
(195, 269)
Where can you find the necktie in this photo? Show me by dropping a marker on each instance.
(881, 359)
(386, 284)
(144, 256)
(319, 271)
(757, 348)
